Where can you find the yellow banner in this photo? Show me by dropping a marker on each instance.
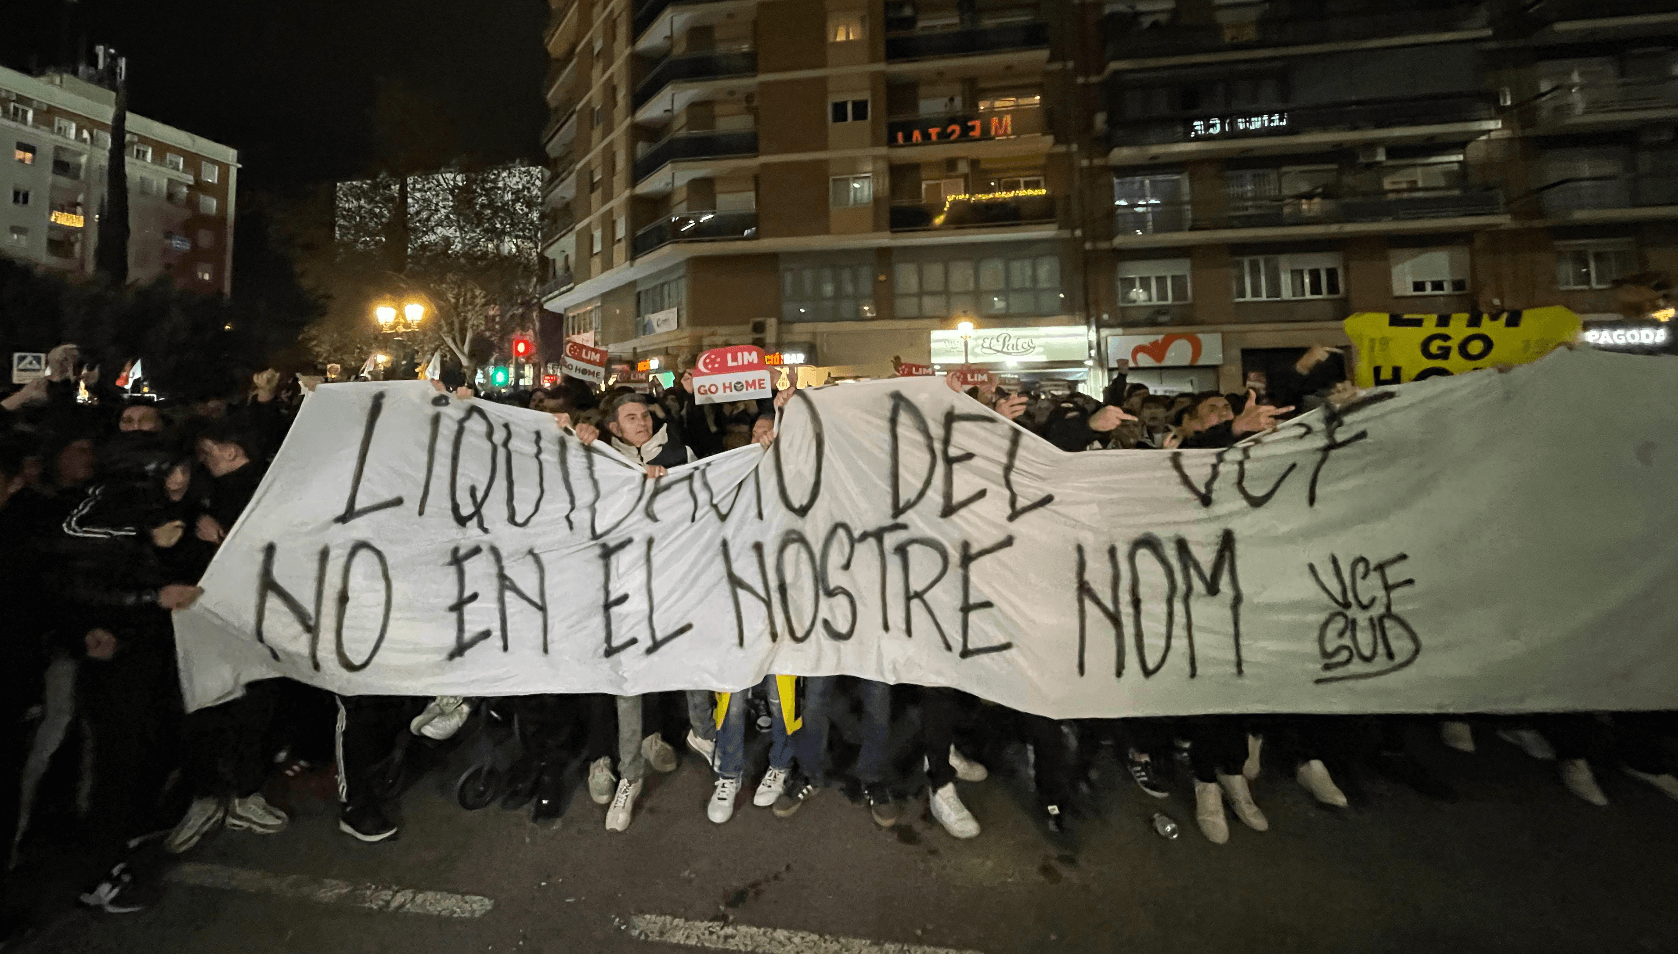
(1393, 349)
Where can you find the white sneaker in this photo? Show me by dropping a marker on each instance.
(705, 749)
(1576, 775)
(952, 814)
(601, 781)
(721, 808)
(254, 814)
(1314, 776)
(658, 753)
(1240, 799)
(623, 805)
(1250, 768)
(1457, 735)
(441, 718)
(202, 817)
(1530, 742)
(1209, 812)
(1666, 782)
(773, 784)
(966, 769)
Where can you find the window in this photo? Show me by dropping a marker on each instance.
(1162, 282)
(64, 127)
(652, 299)
(20, 196)
(20, 235)
(149, 186)
(1429, 271)
(177, 193)
(594, 242)
(25, 153)
(583, 321)
(594, 178)
(66, 164)
(102, 139)
(844, 27)
(850, 110)
(206, 273)
(210, 172)
(830, 288)
(1593, 264)
(140, 151)
(1145, 205)
(599, 44)
(207, 205)
(851, 192)
(1287, 277)
(20, 114)
(620, 227)
(206, 238)
(1020, 283)
(598, 120)
(1021, 184)
(177, 163)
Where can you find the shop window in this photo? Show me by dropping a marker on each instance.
(1581, 265)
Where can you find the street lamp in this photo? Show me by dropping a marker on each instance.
(411, 315)
(965, 329)
(386, 316)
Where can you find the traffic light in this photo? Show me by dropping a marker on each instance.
(498, 376)
(522, 347)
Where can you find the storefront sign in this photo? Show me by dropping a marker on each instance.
(1171, 350)
(662, 321)
(1393, 349)
(1067, 343)
(1646, 336)
(776, 359)
(735, 373)
(953, 128)
(584, 362)
(1230, 125)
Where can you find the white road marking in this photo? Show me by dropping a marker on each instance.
(327, 891)
(756, 940)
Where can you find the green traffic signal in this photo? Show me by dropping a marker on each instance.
(499, 377)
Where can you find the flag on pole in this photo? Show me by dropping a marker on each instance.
(434, 370)
(130, 376)
(371, 365)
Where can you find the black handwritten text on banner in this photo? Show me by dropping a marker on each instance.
(1473, 543)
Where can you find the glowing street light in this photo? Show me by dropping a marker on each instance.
(391, 320)
(965, 329)
(414, 312)
(386, 316)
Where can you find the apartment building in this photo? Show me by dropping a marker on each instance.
(1277, 166)
(55, 133)
(848, 179)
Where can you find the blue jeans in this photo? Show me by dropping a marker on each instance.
(872, 765)
(731, 738)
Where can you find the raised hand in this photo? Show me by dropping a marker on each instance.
(1108, 418)
(1257, 417)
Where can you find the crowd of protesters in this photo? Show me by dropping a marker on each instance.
(111, 509)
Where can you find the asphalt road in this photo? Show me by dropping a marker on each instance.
(1517, 864)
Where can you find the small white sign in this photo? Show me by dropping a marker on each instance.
(27, 366)
(662, 321)
(1169, 350)
(734, 373)
(1063, 343)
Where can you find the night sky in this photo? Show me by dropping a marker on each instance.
(293, 84)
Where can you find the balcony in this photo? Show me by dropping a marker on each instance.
(696, 227)
(1126, 41)
(967, 127)
(646, 14)
(66, 169)
(975, 212)
(1609, 198)
(1388, 210)
(1590, 102)
(561, 222)
(696, 145)
(967, 41)
(715, 64)
(1296, 120)
(557, 126)
(556, 285)
(560, 75)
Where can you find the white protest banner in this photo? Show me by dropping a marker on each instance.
(734, 373)
(1485, 542)
(585, 362)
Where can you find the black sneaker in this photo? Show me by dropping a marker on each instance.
(882, 807)
(1142, 771)
(365, 823)
(793, 797)
(116, 894)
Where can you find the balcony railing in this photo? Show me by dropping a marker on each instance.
(1605, 96)
(562, 222)
(965, 41)
(66, 170)
(1127, 41)
(553, 286)
(979, 211)
(557, 71)
(713, 64)
(1244, 212)
(696, 227)
(556, 20)
(969, 126)
(1287, 120)
(697, 145)
(1564, 197)
(560, 118)
(647, 13)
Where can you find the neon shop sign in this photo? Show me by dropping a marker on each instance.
(1226, 125)
(985, 127)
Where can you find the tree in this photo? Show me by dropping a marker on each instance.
(111, 256)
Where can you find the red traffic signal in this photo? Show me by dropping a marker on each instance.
(522, 348)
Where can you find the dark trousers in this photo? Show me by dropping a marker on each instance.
(222, 750)
(1217, 745)
(940, 708)
(131, 705)
(367, 733)
(1051, 757)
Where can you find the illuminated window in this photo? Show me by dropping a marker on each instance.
(64, 127)
(849, 192)
(207, 204)
(209, 172)
(1021, 184)
(844, 27)
(174, 162)
(206, 273)
(25, 153)
(1146, 205)
(1593, 264)
(20, 235)
(1159, 282)
(1287, 277)
(140, 151)
(849, 110)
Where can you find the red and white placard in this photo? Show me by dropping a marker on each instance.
(585, 362)
(734, 373)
